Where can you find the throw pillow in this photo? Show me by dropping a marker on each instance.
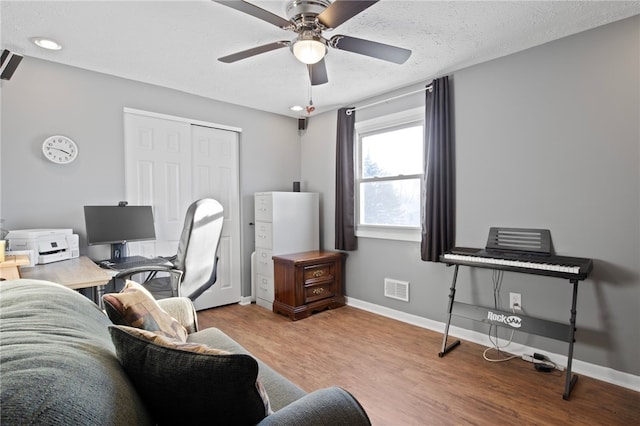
(135, 306)
(190, 383)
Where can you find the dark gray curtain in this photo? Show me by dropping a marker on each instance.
(438, 197)
(345, 204)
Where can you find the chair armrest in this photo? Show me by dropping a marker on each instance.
(182, 309)
(331, 406)
(127, 273)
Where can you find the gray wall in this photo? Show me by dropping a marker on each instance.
(45, 98)
(545, 138)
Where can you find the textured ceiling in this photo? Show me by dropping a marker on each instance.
(176, 43)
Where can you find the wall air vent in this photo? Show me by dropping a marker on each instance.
(396, 289)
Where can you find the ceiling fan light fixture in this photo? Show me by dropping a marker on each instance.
(309, 49)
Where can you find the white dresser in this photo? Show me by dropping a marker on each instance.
(285, 222)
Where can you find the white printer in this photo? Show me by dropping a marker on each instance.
(47, 245)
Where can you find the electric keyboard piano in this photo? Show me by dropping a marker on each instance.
(552, 266)
(525, 251)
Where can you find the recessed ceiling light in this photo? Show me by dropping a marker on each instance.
(296, 108)
(46, 43)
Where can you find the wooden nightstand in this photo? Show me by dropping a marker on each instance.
(308, 282)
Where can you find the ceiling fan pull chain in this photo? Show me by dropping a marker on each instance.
(310, 108)
(310, 86)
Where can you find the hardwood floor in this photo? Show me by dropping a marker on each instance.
(393, 369)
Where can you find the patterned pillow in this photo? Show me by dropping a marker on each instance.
(190, 383)
(135, 306)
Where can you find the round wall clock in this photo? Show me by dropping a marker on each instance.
(59, 149)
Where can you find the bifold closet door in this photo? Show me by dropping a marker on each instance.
(171, 163)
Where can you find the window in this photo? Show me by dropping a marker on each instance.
(389, 169)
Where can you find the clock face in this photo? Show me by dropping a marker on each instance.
(60, 149)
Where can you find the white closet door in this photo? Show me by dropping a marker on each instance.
(171, 163)
(157, 172)
(215, 162)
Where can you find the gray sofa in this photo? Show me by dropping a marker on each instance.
(58, 365)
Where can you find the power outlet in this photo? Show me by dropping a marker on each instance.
(515, 301)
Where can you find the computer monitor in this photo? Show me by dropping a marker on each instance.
(117, 225)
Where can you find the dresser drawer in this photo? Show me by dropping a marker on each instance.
(263, 208)
(264, 263)
(264, 234)
(321, 272)
(318, 291)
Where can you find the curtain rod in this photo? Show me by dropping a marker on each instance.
(428, 87)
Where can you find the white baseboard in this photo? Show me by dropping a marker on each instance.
(598, 372)
(245, 300)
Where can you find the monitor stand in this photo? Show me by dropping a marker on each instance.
(119, 251)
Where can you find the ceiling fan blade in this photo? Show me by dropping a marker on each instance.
(257, 12)
(254, 51)
(318, 73)
(374, 49)
(341, 11)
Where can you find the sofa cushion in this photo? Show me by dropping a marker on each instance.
(57, 362)
(135, 306)
(189, 383)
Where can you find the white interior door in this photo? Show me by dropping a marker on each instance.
(171, 163)
(215, 159)
(157, 160)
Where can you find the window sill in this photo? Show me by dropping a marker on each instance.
(389, 233)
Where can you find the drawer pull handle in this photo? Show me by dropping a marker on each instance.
(317, 274)
(318, 290)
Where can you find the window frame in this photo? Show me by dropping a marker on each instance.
(381, 124)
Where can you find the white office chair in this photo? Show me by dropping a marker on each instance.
(194, 268)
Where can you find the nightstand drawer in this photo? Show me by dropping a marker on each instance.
(318, 272)
(318, 292)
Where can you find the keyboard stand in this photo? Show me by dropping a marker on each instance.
(514, 321)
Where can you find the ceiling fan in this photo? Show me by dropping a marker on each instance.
(308, 19)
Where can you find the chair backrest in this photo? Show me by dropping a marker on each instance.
(198, 247)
